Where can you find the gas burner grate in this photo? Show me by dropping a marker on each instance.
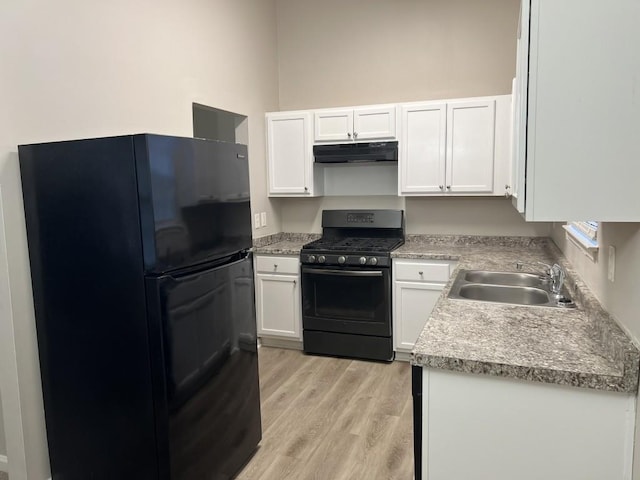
(355, 244)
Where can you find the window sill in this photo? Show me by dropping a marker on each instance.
(588, 246)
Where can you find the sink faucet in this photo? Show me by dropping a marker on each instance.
(554, 273)
(557, 278)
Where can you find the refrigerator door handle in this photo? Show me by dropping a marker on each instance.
(180, 276)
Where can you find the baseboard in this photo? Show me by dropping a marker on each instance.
(403, 356)
(280, 343)
(4, 464)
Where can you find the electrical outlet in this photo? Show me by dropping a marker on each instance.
(256, 220)
(612, 263)
(263, 219)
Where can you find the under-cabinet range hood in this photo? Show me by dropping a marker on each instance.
(356, 152)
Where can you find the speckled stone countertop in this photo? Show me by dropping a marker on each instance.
(583, 347)
(282, 243)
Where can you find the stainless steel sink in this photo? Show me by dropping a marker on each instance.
(505, 278)
(507, 287)
(504, 294)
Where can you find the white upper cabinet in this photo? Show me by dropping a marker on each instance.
(470, 146)
(423, 148)
(290, 154)
(461, 147)
(333, 125)
(355, 124)
(582, 110)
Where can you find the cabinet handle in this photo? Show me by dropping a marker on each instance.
(448, 187)
(355, 135)
(420, 273)
(275, 266)
(441, 187)
(294, 282)
(349, 134)
(306, 189)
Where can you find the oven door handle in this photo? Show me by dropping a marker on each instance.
(344, 273)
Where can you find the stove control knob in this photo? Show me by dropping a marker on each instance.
(341, 260)
(321, 259)
(373, 261)
(311, 258)
(363, 260)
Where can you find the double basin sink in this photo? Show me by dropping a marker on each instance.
(508, 287)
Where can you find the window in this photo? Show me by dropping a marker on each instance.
(585, 236)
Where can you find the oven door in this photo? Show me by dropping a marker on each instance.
(350, 300)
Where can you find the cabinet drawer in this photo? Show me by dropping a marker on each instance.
(272, 264)
(423, 271)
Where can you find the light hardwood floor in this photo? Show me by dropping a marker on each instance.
(332, 419)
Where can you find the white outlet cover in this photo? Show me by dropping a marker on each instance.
(256, 220)
(263, 219)
(611, 274)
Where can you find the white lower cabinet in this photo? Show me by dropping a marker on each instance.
(278, 297)
(417, 285)
(498, 428)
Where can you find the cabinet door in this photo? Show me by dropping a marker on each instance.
(470, 146)
(371, 123)
(278, 305)
(519, 134)
(290, 155)
(413, 303)
(583, 111)
(333, 125)
(423, 148)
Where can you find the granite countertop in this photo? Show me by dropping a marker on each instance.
(282, 243)
(583, 347)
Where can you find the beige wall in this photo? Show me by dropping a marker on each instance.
(73, 69)
(621, 297)
(3, 440)
(469, 216)
(358, 52)
(337, 53)
(456, 216)
(304, 215)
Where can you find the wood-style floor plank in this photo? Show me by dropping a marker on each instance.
(332, 419)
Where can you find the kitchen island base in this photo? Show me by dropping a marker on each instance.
(481, 426)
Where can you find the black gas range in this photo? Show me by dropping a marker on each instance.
(346, 284)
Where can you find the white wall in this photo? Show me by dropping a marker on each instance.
(336, 53)
(73, 69)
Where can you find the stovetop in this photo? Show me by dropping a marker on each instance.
(349, 252)
(354, 245)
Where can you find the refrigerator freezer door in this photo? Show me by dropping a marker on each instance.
(194, 200)
(208, 370)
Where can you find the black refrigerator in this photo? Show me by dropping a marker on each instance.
(144, 303)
